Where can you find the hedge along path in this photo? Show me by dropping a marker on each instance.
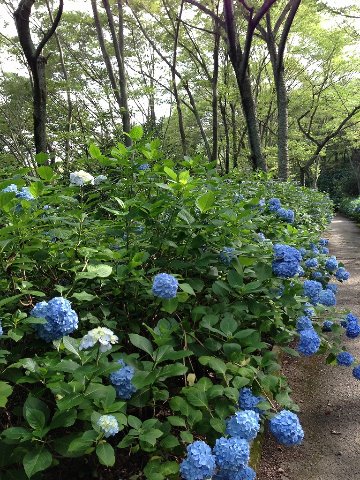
(329, 396)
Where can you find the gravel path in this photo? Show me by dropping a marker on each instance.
(329, 397)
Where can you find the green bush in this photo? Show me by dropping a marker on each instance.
(100, 246)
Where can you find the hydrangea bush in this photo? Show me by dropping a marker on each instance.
(141, 301)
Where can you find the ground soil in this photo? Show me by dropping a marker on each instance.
(329, 396)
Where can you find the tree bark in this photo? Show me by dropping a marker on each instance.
(37, 64)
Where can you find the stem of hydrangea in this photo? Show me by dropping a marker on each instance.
(274, 407)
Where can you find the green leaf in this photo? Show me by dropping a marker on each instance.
(170, 305)
(215, 363)
(36, 460)
(94, 151)
(173, 370)
(44, 172)
(136, 133)
(70, 344)
(100, 270)
(84, 296)
(176, 421)
(105, 454)
(228, 325)
(205, 202)
(151, 436)
(17, 433)
(170, 173)
(170, 442)
(5, 392)
(185, 287)
(142, 343)
(218, 425)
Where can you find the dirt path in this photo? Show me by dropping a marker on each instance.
(329, 396)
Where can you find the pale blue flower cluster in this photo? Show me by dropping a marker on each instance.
(317, 275)
(309, 310)
(226, 255)
(327, 298)
(345, 359)
(24, 194)
(303, 323)
(324, 242)
(274, 204)
(10, 188)
(108, 425)
(244, 424)
(327, 326)
(333, 287)
(331, 264)
(238, 197)
(312, 263)
(248, 401)
(60, 318)
(312, 290)
(286, 261)
(1, 329)
(199, 463)
(286, 428)
(352, 326)
(231, 453)
(103, 335)
(309, 342)
(286, 215)
(144, 166)
(342, 275)
(165, 286)
(122, 381)
(356, 372)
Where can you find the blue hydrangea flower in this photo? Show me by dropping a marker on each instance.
(352, 329)
(60, 318)
(245, 473)
(122, 381)
(248, 401)
(302, 251)
(314, 248)
(1, 329)
(274, 204)
(108, 425)
(199, 463)
(144, 166)
(286, 261)
(324, 251)
(238, 197)
(10, 188)
(312, 289)
(333, 287)
(24, 194)
(356, 372)
(261, 237)
(244, 424)
(324, 242)
(231, 453)
(165, 286)
(342, 275)
(300, 271)
(286, 215)
(303, 323)
(103, 335)
(286, 428)
(327, 326)
(309, 342)
(309, 310)
(317, 275)
(331, 264)
(327, 298)
(345, 359)
(226, 255)
(261, 203)
(312, 263)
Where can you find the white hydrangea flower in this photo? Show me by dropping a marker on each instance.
(99, 179)
(81, 178)
(103, 335)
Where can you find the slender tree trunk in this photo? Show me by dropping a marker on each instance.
(249, 109)
(227, 136)
(37, 64)
(234, 135)
(283, 127)
(119, 55)
(215, 101)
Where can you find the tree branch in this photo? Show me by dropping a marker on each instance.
(51, 30)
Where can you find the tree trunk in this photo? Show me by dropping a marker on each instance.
(37, 64)
(249, 109)
(214, 85)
